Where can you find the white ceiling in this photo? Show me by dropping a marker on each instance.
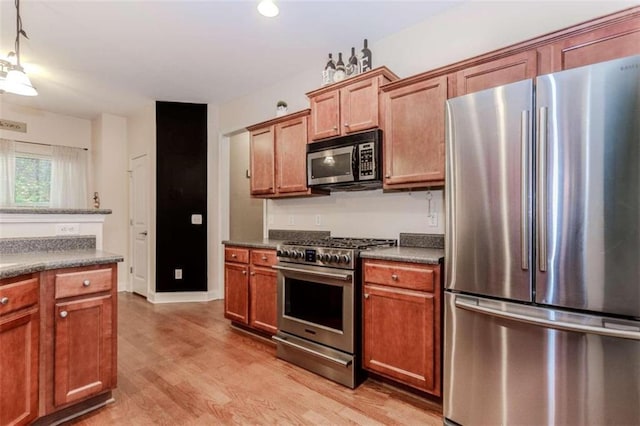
(88, 56)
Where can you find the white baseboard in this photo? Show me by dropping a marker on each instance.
(178, 297)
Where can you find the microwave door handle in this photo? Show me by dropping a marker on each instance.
(354, 163)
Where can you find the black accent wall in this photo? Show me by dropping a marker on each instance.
(181, 176)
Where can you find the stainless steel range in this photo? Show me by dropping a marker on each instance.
(319, 305)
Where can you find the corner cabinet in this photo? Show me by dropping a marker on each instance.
(348, 106)
(414, 132)
(19, 349)
(278, 157)
(250, 288)
(402, 323)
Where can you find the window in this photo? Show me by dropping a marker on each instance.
(32, 180)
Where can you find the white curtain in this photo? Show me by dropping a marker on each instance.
(68, 177)
(7, 172)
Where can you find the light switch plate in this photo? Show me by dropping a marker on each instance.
(196, 219)
(433, 219)
(178, 274)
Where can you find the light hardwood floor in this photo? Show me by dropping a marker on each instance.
(182, 364)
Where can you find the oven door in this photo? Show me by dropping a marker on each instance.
(331, 166)
(316, 303)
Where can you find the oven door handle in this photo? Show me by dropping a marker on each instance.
(344, 363)
(344, 277)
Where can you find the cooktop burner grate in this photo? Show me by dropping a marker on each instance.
(344, 243)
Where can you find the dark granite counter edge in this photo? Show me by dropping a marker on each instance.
(26, 210)
(265, 244)
(411, 255)
(28, 267)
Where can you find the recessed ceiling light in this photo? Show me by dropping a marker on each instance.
(268, 8)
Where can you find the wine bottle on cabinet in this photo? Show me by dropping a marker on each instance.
(329, 70)
(341, 71)
(353, 66)
(366, 57)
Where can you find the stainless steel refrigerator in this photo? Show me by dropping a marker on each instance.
(542, 250)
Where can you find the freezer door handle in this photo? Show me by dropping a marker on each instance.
(541, 172)
(524, 189)
(527, 314)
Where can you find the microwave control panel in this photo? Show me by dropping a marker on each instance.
(367, 169)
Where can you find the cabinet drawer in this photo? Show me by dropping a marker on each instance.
(403, 275)
(236, 254)
(18, 295)
(82, 282)
(263, 257)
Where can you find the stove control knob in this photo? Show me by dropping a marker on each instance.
(345, 258)
(279, 253)
(335, 258)
(286, 253)
(320, 257)
(297, 254)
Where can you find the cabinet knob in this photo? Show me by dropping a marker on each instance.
(244, 272)
(264, 257)
(366, 295)
(252, 274)
(394, 277)
(387, 176)
(4, 301)
(335, 127)
(234, 255)
(346, 124)
(63, 314)
(86, 283)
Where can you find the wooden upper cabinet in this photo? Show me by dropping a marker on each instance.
(348, 106)
(262, 161)
(414, 125)
(291, 155)
(278, 157)
(505, 70)
(616, 39)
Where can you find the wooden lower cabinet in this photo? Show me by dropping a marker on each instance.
(401, 323)
(250, 288)
(19, 336)
(83, 348)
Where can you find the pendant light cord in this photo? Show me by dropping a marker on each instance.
(19, 31)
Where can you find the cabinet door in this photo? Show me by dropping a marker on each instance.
(291, 154)
(325, 115)
(236, 292)
(19, 368)
(263, 283)
(262, 161)
(400, 336)
(83, 348)
(517, 67)
(359, 106)
(414, 134)
(610, 42)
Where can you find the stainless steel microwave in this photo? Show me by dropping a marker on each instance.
(351, 162)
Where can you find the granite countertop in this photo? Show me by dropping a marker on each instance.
(431, 256)
(266, 243)
(12, 265)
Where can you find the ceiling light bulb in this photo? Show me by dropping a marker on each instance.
(18, 83)
(268, 8)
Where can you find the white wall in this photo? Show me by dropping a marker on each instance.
(111, 181)
(464, 31)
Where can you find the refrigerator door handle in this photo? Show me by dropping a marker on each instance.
(474, 304)
(541, 172)
(524, 189)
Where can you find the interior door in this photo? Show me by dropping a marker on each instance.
(139, 224)
(488, 192)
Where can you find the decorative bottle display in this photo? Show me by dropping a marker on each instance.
(329, 71)
(341, 71)
(353, 66)
(366, 58)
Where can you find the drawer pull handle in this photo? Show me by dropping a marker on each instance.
(4, 301)
(86, 283)
(63, 314)
(264, 257)
(394, 277)
(244, 272)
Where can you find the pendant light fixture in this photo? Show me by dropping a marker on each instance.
(268, 8)
(12, 76)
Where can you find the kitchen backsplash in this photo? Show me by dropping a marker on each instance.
(361, 214)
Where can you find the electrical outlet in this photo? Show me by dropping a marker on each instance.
(433, 219)
(67, 229)
(178, 274)
(318, 220)
(292, 220)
